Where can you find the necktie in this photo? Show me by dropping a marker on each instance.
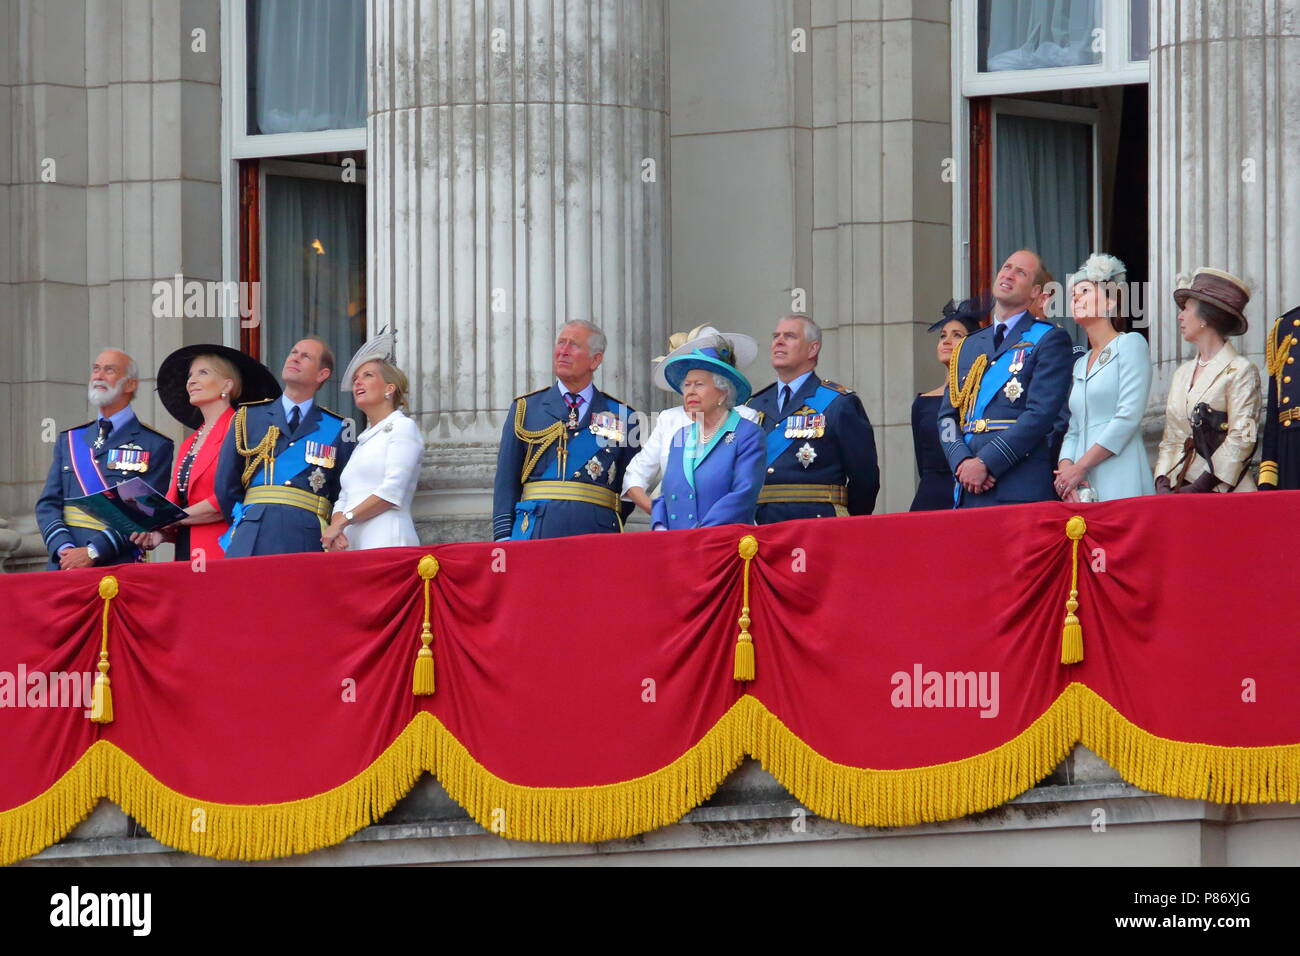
(998, 335)
(574, 401)
(105, 426)
(785, 398)
(295, 417)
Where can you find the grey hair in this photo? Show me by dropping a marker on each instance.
(595, 337)
(132, 369)
(811, 330)
(728, 387)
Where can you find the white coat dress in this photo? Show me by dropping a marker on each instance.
(386, 463)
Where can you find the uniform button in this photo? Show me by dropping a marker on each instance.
(771, 471)
(672, 517)
(690, 517)
(1291, 360)
(691, 496)
(575, 474)
(65, 467)
(286, 482)
(672, 497)
(1295, 321)
(1287, 379)
(290, 444)
(1285, 399)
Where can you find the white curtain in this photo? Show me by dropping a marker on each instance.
(315, 280)
(307, 65)
(1044, 194)
(1034, 34)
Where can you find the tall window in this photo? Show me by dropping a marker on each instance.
(1051, 126)
(295, 81)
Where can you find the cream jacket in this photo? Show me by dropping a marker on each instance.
(1229, 383)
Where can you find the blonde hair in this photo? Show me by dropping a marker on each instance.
(226, 369)
(392, 375)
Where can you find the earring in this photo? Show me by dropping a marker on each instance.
(388, 394)
(223, 394)
(1202, 325)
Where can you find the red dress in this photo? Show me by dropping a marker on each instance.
(201, 487)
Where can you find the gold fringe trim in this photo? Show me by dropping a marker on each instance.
(853, 795)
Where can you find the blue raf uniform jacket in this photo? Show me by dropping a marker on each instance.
(602, 467)
(1022, 456)
(727, 482)
(269, 527)
(62, 484)
(845, 454)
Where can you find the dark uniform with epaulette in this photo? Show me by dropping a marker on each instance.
(1007, 405)
(559, 474)
(82, 467)
(276, 485)
(821, 453)
(1279, 467)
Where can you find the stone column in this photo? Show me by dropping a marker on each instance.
(110, 113)
(883, 246)
(517, 179)
(1225, 95)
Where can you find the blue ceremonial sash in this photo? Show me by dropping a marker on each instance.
(820, 401)
(293, 461)
(999, 373)
(581, 447)
(83, 462)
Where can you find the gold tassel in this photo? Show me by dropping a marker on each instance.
(1072, 633)
(744, 664)
(101, 697)
(422, 684)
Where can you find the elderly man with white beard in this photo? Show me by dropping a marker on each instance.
(94, 456)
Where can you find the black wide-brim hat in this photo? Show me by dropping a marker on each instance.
(256, 381)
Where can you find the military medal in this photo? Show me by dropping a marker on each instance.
(805, 455)
(594, 468)
(128, 458)
(316, 480)
(605, 425)
(320, 454)
(523, 525)
(572, 422)
(1013, 390)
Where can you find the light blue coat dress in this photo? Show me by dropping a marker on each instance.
(1106, 407)
(722, 486)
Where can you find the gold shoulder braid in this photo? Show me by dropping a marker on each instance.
(261, 453)
(539, 441)
(1276, 353)
(963, 396)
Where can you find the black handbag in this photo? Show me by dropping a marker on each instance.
(1209, 429)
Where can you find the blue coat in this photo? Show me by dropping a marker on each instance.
(556, 518)
(61, 484)
(844, 455)
(727, 482)
(1023, 456)
(268, 528)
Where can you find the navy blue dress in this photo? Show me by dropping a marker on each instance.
(935, 491)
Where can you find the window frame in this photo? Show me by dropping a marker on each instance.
(240, 149)
(1115, 68)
